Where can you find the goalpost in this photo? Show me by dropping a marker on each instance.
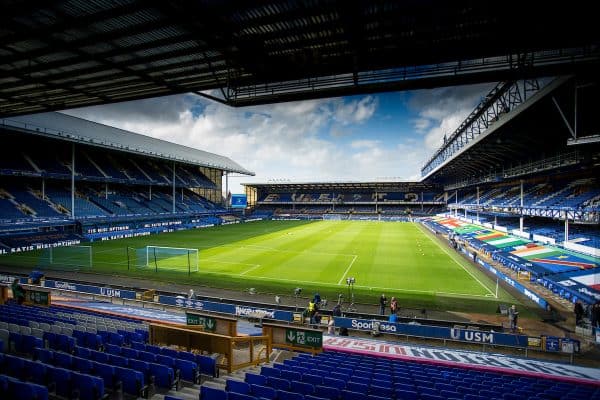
(164, 258)
(66, 257)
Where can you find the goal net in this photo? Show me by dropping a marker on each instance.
(164, 258)
(66, 257)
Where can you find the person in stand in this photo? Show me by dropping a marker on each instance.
(595, 315)
(513, 316)
(578, 310)
(382, 304)
(312, 309)
(331, 327)
(317, 299)
(18, 292)
(393, 306)
(317, 318)
(337, 310)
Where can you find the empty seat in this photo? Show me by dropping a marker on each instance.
(264, 392)
(302, 387)
(209, 393)
(133, 382)
(232, 385)
(284, 395)
(87, 387)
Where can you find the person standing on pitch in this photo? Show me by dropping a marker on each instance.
(382, 304)
(513, 316)
(393, 306)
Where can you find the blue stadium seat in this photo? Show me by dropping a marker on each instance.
(133, 382)
(106, 372)
(83, 365)
(35, 372)
(264, 392)
(13, 366)
(129, 352)
(357, 387)
(209, 393)
(351, 395)
(61, 378)
(88, 387)
(44, 355)
(291, 375)
(118, 361)
(254, 379)
(232, 385)
(15, 389)
(278, 383)
(269, 371)
(333, 382)
(302, 387)
(63, 360)
(112, 349)
(240, 396)
(188, 370)
(284, 395)
(327, 392)
(312, 379)
(164, 377)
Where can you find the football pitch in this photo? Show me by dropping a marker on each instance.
(396, 258)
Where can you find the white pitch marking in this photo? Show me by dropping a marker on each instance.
(347, 269)
(459, 264)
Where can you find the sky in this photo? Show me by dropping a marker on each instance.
(387, 136)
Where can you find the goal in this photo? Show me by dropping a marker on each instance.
(164, 258)
(66, 257)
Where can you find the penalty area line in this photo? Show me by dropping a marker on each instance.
(250, 269)
(347, 270)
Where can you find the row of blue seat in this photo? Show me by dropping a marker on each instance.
(65, 383)
(133, 378)
(15, 389)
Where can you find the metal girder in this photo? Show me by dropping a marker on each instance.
(503, 98)
(260, 52)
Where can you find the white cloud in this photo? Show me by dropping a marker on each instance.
(442, 110)
(369, 144)
(301, 141)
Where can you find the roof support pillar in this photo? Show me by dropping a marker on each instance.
(173, 187)
(73, 180)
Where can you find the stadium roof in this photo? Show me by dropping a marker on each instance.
(532, 138)
(66, 127)
(383, 185)
(64, 54)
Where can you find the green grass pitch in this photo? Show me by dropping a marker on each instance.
(399, 259)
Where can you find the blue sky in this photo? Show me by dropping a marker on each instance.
(357, 138)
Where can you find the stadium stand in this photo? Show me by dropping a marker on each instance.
(112, 183)
(333, 375)
(64, 350)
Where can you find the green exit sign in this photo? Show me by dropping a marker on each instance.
(208, 323)
(37, 297)
(304, 338)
